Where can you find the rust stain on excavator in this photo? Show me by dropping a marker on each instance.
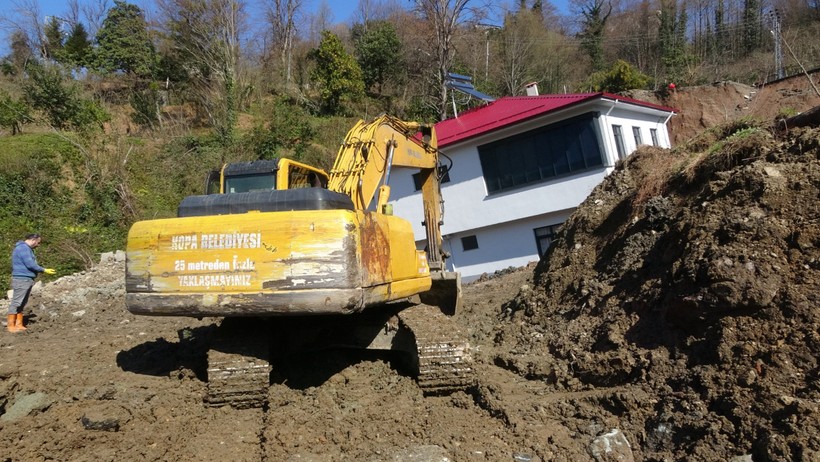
(375, 251)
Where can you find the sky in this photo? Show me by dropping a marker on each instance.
(343, 10)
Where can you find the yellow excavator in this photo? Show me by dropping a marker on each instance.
(296, 259)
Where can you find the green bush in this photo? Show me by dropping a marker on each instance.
(42, 190)
(13, 113)
(621, 77)
(50, 91)
(285, 131)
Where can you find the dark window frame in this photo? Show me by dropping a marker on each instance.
(653, 132)
(620, 147)
(469, 243)
(543, 154)
(636, 133)
(547, 233)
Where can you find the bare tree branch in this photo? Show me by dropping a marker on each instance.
(282, 16)
(445, 17)
(94, 13)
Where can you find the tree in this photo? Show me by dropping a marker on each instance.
(54, 39)
(379, 50)
(29, 23)
(672, 38)
(751, 25)
(622, 76)
(321, 19)
(46, 90)
(287, 133)
(337, 74)
(375, 10)
(720, 29)
(77, 47)
(13, 113)
(204, 36)
(592, 35)
(21, 52)
(445, 17)
(147, 104)
(123, 43)
(516, 43)
(94, 12)
(281, 16)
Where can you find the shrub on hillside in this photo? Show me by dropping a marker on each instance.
(49, 91)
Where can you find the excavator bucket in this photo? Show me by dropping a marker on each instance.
(445, 292)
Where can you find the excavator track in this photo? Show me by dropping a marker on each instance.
(238, 367)
(445, 363)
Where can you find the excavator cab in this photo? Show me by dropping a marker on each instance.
(264, 175)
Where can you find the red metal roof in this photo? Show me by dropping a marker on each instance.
(513, 109)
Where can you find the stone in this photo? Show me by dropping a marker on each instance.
(25, 405)
(106, 417)
(611, 447)
(425, 453)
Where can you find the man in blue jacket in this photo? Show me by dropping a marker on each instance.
(24, 269)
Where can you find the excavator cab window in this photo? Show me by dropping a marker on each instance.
(304, 178)
(250, 182)
(212, 182)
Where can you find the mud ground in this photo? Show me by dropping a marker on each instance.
(675, 318)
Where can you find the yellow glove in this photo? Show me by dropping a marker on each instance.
(50, 271)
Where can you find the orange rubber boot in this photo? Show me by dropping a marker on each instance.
(19, 325)
(12, 324)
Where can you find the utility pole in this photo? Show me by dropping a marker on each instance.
(487, 29)
(774, 17)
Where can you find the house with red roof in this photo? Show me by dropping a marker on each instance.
(519, 166)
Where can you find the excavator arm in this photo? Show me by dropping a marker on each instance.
(366, 157)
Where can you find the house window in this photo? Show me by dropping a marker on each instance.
(636, 132)
(654, 134)
(619, 141)
(443, 177)
(541, 154)
(544, 237)
(469, 243)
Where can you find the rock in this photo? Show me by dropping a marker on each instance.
(116, 256)
(521, 457)
(105, 417)
(109, 425)
(427, 453)
(611, 447)
(25, 405)
(745, 458)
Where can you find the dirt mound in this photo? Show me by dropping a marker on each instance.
(705, 106)
(693, 274)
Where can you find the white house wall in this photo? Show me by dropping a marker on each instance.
(499, 247)
(625, 116)
(504, 220)
(467, 205)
